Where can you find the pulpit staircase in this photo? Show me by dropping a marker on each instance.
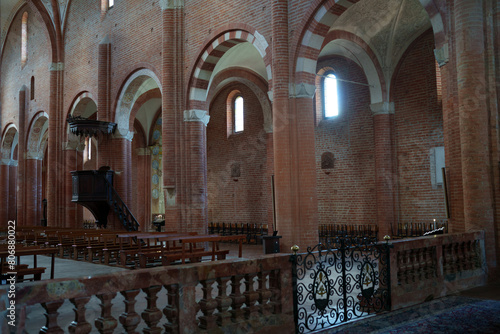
(94, 190)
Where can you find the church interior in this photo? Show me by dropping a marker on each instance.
(293, 117)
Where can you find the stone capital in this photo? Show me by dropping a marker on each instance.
(382, 108)
(32, 156)
(129, 136)
(8, 162)
(195, 115)
(171, 4)
(442, 55)
(56, 67)
(301, 90)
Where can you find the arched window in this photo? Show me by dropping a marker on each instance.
(111, 3)
(32, 89)
(238, 114)
(24, 39)
(330, 96)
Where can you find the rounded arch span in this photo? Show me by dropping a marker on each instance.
(356, 49)
(221, 41)
(314, 28)
(41, 11)
(138, 83)
(150, 94)
(10, 139)
(402, 59)
(317, 22)
(83, 105)
(252, 81)
(37, 135)
(437, 22)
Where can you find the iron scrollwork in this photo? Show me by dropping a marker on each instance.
(340, 281)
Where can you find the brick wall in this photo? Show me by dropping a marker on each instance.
(247, 199)
(14, 76)
(418, 128)
(134, 30)
(347, 195)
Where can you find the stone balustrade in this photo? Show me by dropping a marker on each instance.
(237, 295)
(231, 294)
(434, 266)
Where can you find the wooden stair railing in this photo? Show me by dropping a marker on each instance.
(120, 208)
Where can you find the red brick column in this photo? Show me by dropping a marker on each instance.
(172, 109)
(12, 212)
(474, 122)
(305, 170)
(196, 219)
(285, 199)
(21, 177)
(4, 193)
(55, 186)
(269, 174)
(453, 154)
(143, 189)
(39, 190)
(104, 80)
(33, 202)
(383, 114)
(73, 161)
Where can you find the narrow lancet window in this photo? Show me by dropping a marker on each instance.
(238, 114)
(331, 96)
(24, 39)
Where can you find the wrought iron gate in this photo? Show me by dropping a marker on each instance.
(340, 281)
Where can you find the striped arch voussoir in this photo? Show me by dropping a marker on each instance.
(213, 53)
(313, 37)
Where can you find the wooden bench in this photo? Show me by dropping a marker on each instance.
(36, 272)
(167, 259)
(23, 270)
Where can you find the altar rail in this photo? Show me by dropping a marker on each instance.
(255, 294)
(254, 232)
(417, 229)
(430, 267)
(327, 232)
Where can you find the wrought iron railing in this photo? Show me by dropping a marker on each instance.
(120, 208)
(338, 282)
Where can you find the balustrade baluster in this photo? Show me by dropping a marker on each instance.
(223, 302)
(469, 255)
(454, 262)
(152, 313)
(80, 324)
(130, 319)
(51, 314)
(411, 265)
(106, 324)
(275, 288)
(251, 297)
(431, 258)
(171, 311)
(207, 306)
(447, 259)
(265, 294)
(237, 299)
(399, 272)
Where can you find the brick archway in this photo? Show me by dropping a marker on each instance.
(213, 52)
